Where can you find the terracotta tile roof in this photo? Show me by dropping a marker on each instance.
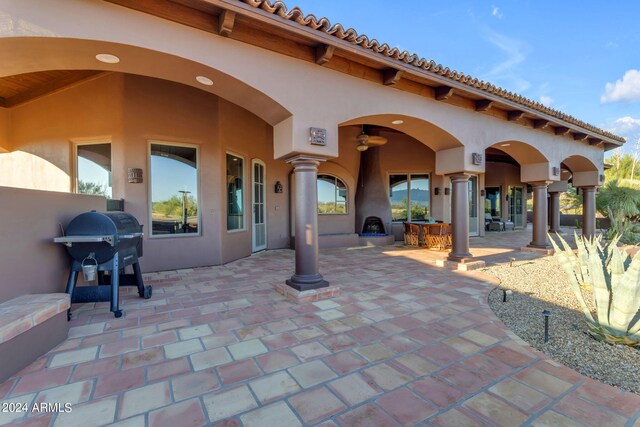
(427, 66)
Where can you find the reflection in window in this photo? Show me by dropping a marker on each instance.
(410, 197)
(94, 169)
(235, 192)
(332, 195)
(174, 189)
(492, 202)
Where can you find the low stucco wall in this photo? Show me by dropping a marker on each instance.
(29, 260)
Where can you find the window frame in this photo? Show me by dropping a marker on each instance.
(244, 228)
(81, 142)
(149, 232)
(409, 174)
(346, 202)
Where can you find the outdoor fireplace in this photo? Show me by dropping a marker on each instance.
(373, 225)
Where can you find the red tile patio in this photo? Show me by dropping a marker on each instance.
(405, 344)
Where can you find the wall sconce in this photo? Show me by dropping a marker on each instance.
(447, 191)
(436, 191)
(482, 193)
(476, 158)
(134, 175)
(278, 187)
(555, 171)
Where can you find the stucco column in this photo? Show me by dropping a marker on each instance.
(540, 213)
(307, 275)
(554, 212)
(588, 211)
(459, 217)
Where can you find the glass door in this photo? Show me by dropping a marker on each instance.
(259, 222)
(473, 206)
(516, 211)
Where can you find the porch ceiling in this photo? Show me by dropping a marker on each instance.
(21, 88)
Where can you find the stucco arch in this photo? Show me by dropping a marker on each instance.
(522, 152)
(578, 163)
(427, 133)
(584, 172)
(33, 54)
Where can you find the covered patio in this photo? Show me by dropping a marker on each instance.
(405, 343)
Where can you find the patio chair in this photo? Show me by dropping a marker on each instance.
(437, 236)
(493, 223)
(411, 234)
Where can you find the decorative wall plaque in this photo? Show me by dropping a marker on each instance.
(476, 158)
(134, 175)
(318, 136)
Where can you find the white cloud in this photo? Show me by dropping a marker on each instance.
(625, 89)
(495, 11)
(505, 71)
(625, 126)
(546, 100)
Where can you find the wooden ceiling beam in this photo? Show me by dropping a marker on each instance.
(579, 136)
(52, 86)
(561, 130)
(514, 116)
(443, 93)
(391, 76)
(541, 124)
(594, 141)
(324, 53)
(483, 105)
(226, 20)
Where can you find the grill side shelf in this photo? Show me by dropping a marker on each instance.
(70, 240)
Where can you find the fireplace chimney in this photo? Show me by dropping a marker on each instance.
(372, 199)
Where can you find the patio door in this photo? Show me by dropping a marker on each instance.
(473, 206)
(259, 221)
(516, 211)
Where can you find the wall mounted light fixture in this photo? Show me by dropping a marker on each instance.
(134, 175)
(447, 191)
(436, 190)
(278, 187)
(482, 193)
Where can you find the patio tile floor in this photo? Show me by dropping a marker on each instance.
(405, 344)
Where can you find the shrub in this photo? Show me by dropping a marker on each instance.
(614, 280)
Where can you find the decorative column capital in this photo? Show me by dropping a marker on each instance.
(305, 160)
(540, 184)
(459, 177)
(589, 188)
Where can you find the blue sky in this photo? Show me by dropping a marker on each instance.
(579, 57)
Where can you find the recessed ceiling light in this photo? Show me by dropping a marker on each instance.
(397, 122)
(504, 145)
(204, 80)
(107, 58)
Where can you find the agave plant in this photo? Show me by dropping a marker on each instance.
(614, 280)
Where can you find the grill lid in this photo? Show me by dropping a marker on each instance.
(116, 224)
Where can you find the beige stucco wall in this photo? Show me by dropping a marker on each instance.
(129, 111)
(29, 260)
(42, 131)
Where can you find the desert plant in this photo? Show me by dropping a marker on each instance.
(614, 281)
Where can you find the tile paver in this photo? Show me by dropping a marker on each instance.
(406, 343)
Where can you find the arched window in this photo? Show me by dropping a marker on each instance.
(332, 195)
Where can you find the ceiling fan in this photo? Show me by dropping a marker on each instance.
(365, 140)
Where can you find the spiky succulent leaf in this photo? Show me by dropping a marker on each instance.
(573, 273)
(601, 292)
(626, 296)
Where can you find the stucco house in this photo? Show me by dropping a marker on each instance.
(233, 126)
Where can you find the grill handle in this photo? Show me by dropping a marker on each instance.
(130, 236)
(70, 240)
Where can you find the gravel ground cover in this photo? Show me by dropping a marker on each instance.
(538, 284)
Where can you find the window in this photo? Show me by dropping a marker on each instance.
(174, 189)
(93, 166)
(332, 195)
(235, 192)
(410, 197)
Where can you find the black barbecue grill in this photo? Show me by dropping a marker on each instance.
(106, 242)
